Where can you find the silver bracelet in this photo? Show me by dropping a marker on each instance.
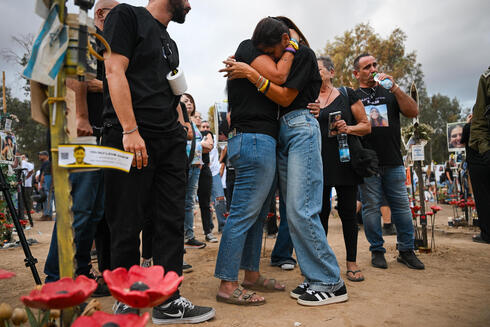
(131, 131)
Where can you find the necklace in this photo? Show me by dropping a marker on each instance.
(328, 98)
(370, 95)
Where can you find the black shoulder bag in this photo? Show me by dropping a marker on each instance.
(364, 161)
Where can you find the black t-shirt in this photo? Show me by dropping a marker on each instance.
(385, 126)
(135, 34)
(95, 100)
(252, 112)
(46, 168)
(305, 78)
(447, 171)
(334, 171)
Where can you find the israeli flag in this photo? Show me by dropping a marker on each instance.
(48, 51)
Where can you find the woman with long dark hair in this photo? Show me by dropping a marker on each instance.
(299, 161)
(336, 173)
(252, 152)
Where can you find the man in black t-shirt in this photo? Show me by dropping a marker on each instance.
(143, 116)
(384, 108)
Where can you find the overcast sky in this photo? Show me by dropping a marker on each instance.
(451, 38)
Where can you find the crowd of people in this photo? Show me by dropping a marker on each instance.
(287, 125)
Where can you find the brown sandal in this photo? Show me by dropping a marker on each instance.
(240, 297)
(261, 286)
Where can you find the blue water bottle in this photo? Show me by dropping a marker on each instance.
(344, 152)
(386, 83)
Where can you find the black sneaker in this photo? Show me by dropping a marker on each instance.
(181, 311)
(194, 244)
(186, 268)
(409, 259)
(313, 298)
(120, 308)
(378, 260)
(299, 290)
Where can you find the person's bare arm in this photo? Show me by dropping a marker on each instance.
(84, 128)
(116, 65)
(408, 106)
(95, 86)
(362, 127)
(281, 95)
(275, 72)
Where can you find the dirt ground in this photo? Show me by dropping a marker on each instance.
(453, 290)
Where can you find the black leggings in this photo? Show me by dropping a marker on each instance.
(347, 197)
(204, 195)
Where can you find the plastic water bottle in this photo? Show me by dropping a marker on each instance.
(386, 83)
(344, 152)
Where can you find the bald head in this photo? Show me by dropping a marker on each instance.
(101, 9)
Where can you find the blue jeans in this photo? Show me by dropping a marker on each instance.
(48, 204)
(190, 199)
(301, 183)
(254, 159)
(219, 205)
(88, 210)
(391, 183)
(283, 249)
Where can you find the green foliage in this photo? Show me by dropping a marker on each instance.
(437, 111)
(390, 54)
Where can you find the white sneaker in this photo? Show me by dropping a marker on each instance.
(287, 266)
(211, 238)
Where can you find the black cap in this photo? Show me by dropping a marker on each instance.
(43, 153)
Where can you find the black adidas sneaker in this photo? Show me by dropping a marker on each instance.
(299, 290)
(313, 298)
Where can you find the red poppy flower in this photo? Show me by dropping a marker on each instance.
(23, 222)
(102, 319)
(2, 215)
(453, 202)
(4, 274)
(436, 208)
(9, 225)
(471, 203)
(61, 294)
(142, 287)
(416, 208)
(430, 213)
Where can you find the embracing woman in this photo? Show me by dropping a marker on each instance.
(299, 160)
(252, 152)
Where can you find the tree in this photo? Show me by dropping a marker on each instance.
(25, 42)
(390, 54)
(437, 111)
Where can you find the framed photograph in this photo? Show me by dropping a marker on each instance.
(8, 148)
(454, 134)
(378, 115)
